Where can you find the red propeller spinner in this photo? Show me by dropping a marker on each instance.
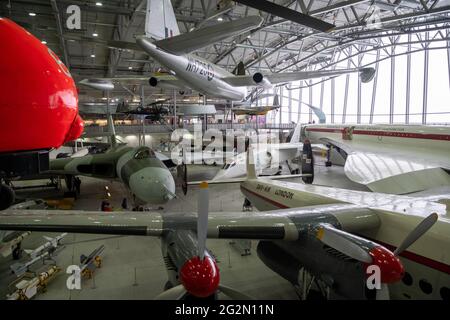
(200, 277)
(391, 268)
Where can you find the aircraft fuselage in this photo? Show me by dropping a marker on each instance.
(427, 262)
(197, 73)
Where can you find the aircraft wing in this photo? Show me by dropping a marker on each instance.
(164, 80)
(391, 173)
(285, 224)
(366, 75)
(193, 40)
(298, 146)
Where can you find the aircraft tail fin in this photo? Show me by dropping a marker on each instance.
(240, 69)
(251, 170)
(276, 100)
(296, 134)
(160, 21)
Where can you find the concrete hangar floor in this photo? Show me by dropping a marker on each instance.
(133, 267)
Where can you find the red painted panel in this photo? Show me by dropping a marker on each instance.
(38, 97)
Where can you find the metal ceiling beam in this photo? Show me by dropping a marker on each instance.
(60, 33)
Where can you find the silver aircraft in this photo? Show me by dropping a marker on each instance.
(164, 43)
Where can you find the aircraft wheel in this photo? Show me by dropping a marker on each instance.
(7, 196)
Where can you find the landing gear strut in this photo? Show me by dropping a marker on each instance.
(17, 252)
(7, 196)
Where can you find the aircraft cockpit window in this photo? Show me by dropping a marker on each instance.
(228, 165)
(144, 153)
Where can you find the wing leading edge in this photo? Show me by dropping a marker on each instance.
(286, 224)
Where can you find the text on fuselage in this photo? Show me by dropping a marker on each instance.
(202, 68)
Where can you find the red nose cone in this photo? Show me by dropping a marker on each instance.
(200, 278)
(76, 129)
(390, 266)
(38, 98)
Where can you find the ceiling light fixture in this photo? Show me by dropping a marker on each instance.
(44, 42)
(95, 34)
(219, 19)
(98, 4)
(92, 55)
(32, 14)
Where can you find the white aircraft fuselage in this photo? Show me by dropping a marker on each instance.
(396, 159)
(428, 142)
(427, 262)
(197, 73)
(268, 159)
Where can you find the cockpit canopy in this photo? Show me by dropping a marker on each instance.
(144, 153)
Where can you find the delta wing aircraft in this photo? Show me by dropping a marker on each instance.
(164, 43)
(396, 159)
(316, 237)
(147, 178)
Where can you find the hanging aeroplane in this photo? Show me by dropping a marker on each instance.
(336, 237)
(164, 43)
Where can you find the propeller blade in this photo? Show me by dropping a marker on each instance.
(234, 294)
(383, 293)
(344, 242)
(418, 232)
(202, 219)
(175, 293)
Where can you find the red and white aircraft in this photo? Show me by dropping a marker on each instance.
(397, 159)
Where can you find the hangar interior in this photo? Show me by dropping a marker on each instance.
(376, 123)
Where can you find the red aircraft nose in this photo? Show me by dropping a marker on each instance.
(75, 130)
(390, 266)
(200, 277)
(39, 101)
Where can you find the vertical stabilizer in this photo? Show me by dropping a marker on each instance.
(160, 21)
(296, 134)
(251, 171)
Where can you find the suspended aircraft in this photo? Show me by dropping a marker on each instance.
(164, 43)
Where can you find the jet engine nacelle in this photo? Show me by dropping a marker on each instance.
(154, 82)
(279, 261)
(261, 81)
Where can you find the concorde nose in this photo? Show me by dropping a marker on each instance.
(153, 185)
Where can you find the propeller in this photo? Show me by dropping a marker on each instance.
(199, 276)
(418, 232)
(202, 219)
(343, 242)
(370, 253)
